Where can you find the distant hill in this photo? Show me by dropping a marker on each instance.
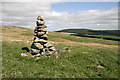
(104, 34)
(91, 32)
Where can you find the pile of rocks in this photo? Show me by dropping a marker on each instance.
(40, 45)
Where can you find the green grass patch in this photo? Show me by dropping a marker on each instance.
(81, 62)
(59, 37)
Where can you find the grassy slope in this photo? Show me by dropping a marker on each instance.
(85, 60)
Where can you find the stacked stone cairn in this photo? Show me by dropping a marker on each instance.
(40, 45)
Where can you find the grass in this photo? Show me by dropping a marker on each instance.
(92, 32)
(84, 61)
(60, 37)
(106, 36)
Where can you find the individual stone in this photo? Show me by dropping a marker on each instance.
(42, 26)
(39, 23)
(35, 51)
(37, 55)
(48, 44)
(39, 40)
(37, 58)
(40, 33)
(23, 54)
(35, 31)
(37, 46)
(42, 40)
(42, 29)
(52, 48)
(61, 51)
(40, 18)
(45, 35)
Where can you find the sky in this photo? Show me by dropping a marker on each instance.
(83, 6)
(61, 14)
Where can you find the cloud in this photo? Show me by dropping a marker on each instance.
(107, 19)
(59, 0)
(24, 14)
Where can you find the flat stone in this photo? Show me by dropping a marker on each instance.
(40, 22)
(43, 26)
(39, 40)
(42, 29)
(48, 44)
(45, 35)
(38, 45)
(41, 33)
(35, 51)
(52, 48)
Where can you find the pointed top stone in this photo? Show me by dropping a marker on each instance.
(40, 18)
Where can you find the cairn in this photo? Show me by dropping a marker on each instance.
(40, 45)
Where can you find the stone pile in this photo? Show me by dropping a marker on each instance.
(40, 45)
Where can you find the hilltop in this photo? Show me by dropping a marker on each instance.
(88, 58)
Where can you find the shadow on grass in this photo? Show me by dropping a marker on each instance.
(26, 49)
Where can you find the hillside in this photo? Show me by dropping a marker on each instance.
(92, 32)
(104, 34)
(88, 58)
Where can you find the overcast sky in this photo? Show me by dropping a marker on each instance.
(61, 14)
